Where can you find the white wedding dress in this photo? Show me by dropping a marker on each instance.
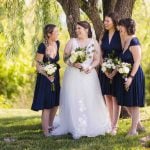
(82, 108)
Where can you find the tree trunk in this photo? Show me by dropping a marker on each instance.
(91, 10)
(124, 8)
(108, 6)
(72, 11)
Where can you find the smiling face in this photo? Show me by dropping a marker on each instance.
(81, 31)
(108, 23)
(54, 35)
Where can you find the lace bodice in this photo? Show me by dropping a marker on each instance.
(89, 51)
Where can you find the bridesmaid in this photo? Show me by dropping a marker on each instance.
(44, 98)
(109, 43)
(133, 98)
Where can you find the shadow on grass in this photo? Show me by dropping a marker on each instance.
(28, 135)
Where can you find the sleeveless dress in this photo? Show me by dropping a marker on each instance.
(44, 97)
(82, 108)
(136, 93)
(108, 88)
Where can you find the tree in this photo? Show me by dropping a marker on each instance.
(93, 11)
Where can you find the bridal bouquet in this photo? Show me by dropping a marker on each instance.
(78, 55)
(50, 70)
(124, 69)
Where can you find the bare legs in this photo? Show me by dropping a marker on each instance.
(135, 116)
(109, 104)
(47, 119)
(114, 112)
(52, 115)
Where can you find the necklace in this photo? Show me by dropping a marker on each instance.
(51, 50)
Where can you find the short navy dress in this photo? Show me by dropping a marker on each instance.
(136, 93)
(44, 96)
(107, 86)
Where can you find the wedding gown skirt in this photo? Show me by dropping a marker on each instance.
(82, 108)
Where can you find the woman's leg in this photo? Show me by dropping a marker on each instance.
(109, 104)
(116, 114)
(139, 125)
(45, 121)
(135, 116)
(52, 115)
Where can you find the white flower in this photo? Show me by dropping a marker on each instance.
(120, 70)
(50, 69)
(103, 69)
(109, 66)
(126, 70)
(73, 58)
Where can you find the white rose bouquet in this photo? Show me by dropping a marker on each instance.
(50, 70)
(124, 69)
(108, 65)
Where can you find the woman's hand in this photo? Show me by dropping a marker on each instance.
(51, 78)
(111, 75)
(108, 75)
(69, 63)
(114, 72)
(88, 70)
(77, 65)
(128, 83)
(39, 68)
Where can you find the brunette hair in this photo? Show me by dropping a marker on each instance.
(49, 28)
(129, 24)
(86, 25)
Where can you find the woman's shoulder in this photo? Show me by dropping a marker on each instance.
(42, 45)
(41, 48)
(134, 41)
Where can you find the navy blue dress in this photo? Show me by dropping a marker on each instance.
(136, 93)
(107, 87)
(44, 97)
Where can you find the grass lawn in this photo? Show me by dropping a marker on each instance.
(20, 129)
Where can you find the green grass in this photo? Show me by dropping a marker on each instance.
(23, 127)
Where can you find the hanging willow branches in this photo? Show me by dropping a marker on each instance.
(14, 21)
(14, 25)
(45, 12)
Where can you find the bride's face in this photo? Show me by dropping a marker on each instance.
(81, 32)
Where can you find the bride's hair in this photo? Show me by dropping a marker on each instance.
(86, 25)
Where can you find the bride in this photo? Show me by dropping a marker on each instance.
(82, 108)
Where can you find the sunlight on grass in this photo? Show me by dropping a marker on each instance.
(21, 129)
